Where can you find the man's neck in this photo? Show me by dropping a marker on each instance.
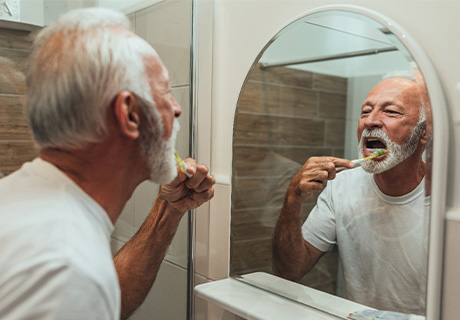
(100, 172)
(401, 179)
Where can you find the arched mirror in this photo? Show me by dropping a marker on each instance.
(305, 96)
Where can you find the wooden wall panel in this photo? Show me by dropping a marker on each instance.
(329, 83)
(332, 105)
(283, 76)
(284, 117)
(13, 125)
(264, 129)
(14, 153)
(16, 143)
(15, 39)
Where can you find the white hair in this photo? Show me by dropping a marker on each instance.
(409, 75)
(78, 66)
(406, 74)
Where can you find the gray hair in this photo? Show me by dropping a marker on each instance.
(406, 74)
(410, 75)
(78, 66)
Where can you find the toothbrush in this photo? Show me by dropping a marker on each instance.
(375, 154)
(182, 164)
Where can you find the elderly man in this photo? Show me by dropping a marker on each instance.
(377, 220)
(100, 107)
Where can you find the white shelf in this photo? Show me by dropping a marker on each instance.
(253, 303)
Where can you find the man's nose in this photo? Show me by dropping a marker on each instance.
(373, 120)
(176, 108)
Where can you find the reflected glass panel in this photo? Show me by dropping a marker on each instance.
(303, 98)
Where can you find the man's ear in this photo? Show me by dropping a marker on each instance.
(424, 137)
(126, 113)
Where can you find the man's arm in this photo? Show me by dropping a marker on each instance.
(138, 262)
(293, 256)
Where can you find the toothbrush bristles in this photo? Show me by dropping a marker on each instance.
(376, 153)
(379, 152)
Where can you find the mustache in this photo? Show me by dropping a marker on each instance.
(374, 133)
(176, 127)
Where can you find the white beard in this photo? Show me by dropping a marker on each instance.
(396, 153)
(162, 163)
(158, 151)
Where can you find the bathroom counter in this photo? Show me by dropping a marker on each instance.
(252, 297)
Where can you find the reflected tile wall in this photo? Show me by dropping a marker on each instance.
(284, 117)
(16, 144)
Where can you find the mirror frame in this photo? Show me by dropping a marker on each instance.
(440, 123)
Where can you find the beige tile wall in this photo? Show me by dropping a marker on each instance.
(16, 144)
(284, 117)
(167, 27)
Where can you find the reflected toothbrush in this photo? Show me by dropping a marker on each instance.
(182, 164)
(357, 162)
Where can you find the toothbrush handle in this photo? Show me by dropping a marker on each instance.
(356, 162)
(183, 168)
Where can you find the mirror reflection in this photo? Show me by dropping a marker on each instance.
(332, 87)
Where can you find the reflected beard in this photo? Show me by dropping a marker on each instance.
(160, 152)
(396, 153)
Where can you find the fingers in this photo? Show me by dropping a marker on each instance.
(185, 193)
(338, 162)
(180, 177)
(201, 179)
(193, 200)
(315, 173)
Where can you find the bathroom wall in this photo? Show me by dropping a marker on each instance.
(16, 144)
(284, 117)
(231, 35)
(167, 27)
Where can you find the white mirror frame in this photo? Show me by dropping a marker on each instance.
(440, 131)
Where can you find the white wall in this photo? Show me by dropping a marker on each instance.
(242, 29)
(357, 91)
(31, 12)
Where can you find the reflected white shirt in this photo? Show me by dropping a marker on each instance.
(382, 240)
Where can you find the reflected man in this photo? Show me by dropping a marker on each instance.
(379, 221)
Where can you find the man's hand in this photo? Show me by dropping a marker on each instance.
(184, 193)
(314, 174)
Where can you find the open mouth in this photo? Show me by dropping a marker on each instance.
(372, 145)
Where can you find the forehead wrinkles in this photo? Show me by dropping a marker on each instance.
(157, 72)
(382, 94)
(413, 97)
(402, 92)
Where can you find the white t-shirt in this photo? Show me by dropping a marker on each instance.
(55, 258)
(382, 240)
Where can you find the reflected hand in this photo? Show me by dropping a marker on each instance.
(184, 193)
(314, 175)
